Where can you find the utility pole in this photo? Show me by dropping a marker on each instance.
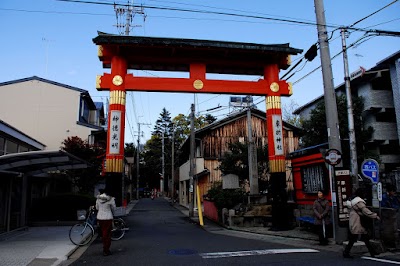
(138, 160)
(128, 20)
(129, 11)
(162, 166)
(331, 113)
(332, 120)
(252, 158)
(172, 164)
(352, 134)
(192, 161)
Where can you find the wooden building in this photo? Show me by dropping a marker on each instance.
(212, 143)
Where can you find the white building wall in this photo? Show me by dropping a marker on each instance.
(44, 111)
(184, 169)
(395, 76)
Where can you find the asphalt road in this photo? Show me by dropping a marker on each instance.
(161, 235)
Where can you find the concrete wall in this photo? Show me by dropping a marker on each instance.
(395, 77)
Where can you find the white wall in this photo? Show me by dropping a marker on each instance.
(46, 112)
(185, 168)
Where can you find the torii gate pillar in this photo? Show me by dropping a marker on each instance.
(116, 117)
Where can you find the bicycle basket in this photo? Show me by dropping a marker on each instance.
(92, 219)
(81, 215)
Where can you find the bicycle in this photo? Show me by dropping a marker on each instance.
(82, 233)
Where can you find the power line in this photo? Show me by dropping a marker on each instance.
(364, 18)
(224, 8)
(333, 57)
(129, 124)
(216, 13)
(205, 12)
(351, 27)
(386, 22)
(53, 12)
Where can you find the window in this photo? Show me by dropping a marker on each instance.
(84, 111)
(391, 148)
(23, 149)
(11, 147)
(2, 146)
(388, 116)
(383, 82)
(313, 178)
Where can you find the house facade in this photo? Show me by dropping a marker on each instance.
(36, 116)
(380, 89)
(212, 143)
(49, 111)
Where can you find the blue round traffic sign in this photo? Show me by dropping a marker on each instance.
(370, 170)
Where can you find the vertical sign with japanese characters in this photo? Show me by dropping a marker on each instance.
(115, 132)
(343, 189)
(278, 134)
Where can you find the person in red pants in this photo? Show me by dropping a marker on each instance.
(105, 205)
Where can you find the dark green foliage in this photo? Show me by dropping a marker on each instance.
(315, 129)
(209, 119)
(130, 150)
(236, 160)
(85, 179)
(225, 198)
(182, 125)
(176, 130)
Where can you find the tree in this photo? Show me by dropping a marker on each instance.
(163, 124)
(288, 116)
(182, 125)
(85, 179)
(176, 130)
(236, 162)
(315, 129)
(152, 153)
(130, 150)
(209, 119)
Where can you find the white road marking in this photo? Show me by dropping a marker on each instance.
(381, 260)
(215, 255)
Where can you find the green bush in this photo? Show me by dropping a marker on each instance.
(225, 198)
(60, 207)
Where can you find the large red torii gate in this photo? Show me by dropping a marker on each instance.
(198, 57)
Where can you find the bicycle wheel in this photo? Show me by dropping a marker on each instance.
(81, 234)
(121, 221)
(118, 231)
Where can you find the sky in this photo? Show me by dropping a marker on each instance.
(53, 40)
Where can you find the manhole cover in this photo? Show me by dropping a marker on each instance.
(182, 252)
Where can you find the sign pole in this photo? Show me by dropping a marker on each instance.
(333, 197)
(370, 170)
(333, 157)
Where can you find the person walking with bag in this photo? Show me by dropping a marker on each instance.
(105, 205)
(358, 212)
(321, 210)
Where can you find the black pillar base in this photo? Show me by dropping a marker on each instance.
(114, 186)
(281, 212)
